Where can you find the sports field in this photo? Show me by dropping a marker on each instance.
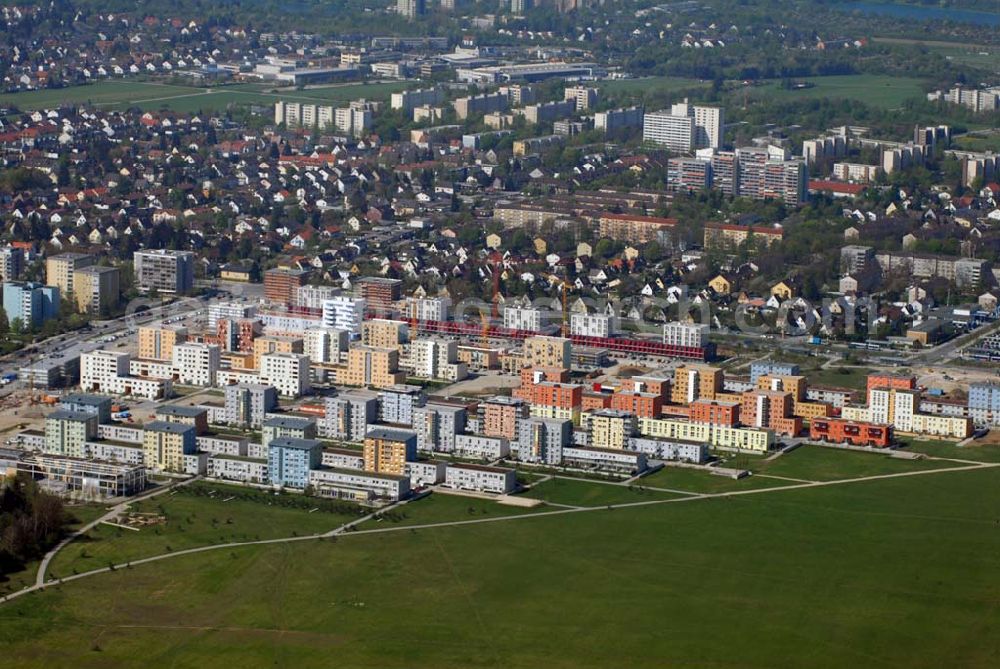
(189, 99)
(898, 572)
(650, 85)
(877, 90)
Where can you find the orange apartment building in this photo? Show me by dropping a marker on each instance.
(281, 285)
(889, 381)
(501, 416)
(237, 335)
(156, 343)
(594, 400)
(715, 412)
(657, 385)
(558, 395)
(646, 405)
(386, 450)
(797, 386)
(856, 433)
(693, 382)
(380, 293)
(770, 409)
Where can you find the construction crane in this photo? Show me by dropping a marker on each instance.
(495, 263)
(566, 287)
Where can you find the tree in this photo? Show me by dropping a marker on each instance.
(17, 326)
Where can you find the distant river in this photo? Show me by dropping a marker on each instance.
(922, 12)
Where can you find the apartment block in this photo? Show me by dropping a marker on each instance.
(67, 432)
(165, 444)
(609, 428)
(522, 318)
(384, 333)
(376, 367)
(274, 344)
(157, 343)
(693, 382)
(287, 372)
(289, 461)
(60, 270)
(30, 303)
(542, 351)
(635, 228)
(855, 433)
(294, 427)
(96, 289)
(542, 440)
(246, 405)
(386, 450)
(348, 415)
(480, 478)
(164, 270)
(281, 285)
(433, 358)
(344, 313)
(501, 416)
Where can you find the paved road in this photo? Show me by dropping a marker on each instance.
(345, 529)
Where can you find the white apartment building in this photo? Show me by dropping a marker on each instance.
(685, 334)
(685, 127)
(676, 133)
(856, 172)
(583, 97)
(593, 325)
(344, 313)
(196, 364)
(480, 478)
(313, 297)
(428, 308)
(522, 318)
(287, 372)
(324, 345)
(409, 100)
(108, 372)
(234, 310)
(437, 359)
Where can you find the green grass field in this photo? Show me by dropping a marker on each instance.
(584, 493)
(820, 463)
(700, 481)
(649, 85)
(976, 450)
(192, 521)
(876, 90)
(441, 508)
(189, 99)
(840, 377)
(891, 573)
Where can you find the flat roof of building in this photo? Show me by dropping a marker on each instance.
(295, 443)
(390, 434)
(289, 422)
(177, 410)
(65, 414)
(481, 468)
(165, 426)
(88, 399)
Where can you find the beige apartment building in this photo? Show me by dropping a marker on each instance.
(157, 343)
(368, 366)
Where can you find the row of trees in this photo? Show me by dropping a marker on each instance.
(31, 521)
